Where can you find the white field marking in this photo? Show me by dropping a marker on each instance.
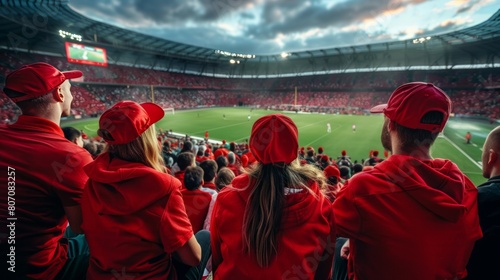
(473, 144)
(298, 129)
(460, 150)
(473, 173)
(328, 134)
(248, 137)
(87, 128)
(220, 127)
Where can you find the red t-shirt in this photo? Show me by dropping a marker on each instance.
(234, 168)
(133, 219)
(409, 219)
(48, 176)
(201, 158)
(210, 185)
(180, 176)
(306, 236)
(196, 203)
(221, 152)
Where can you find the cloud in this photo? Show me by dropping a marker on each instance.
(273, 26)
(445, 26)
(298, 16)
(161, 12)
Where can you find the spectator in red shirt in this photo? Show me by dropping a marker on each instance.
(411, 217)
(184, 160)
(273, 223)
(232, 164)
(196, 200)
(133, 213)
(334, 184)
(209, 173)
(73, 135)
(49, 179)
(224, 178)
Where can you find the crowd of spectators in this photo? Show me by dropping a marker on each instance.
(474, 91)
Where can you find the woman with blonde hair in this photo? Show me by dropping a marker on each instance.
(133, 214)
(274, 222)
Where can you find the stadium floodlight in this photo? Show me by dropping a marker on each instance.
(284, 55)
(239, 55)
(70, 35)
(421, 40)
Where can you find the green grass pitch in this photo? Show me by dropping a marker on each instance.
(92, 56)
(312, 132)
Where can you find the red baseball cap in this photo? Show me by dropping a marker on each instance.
(410, 102)
(127, 120)
(274, 139)
(34, 80)
(332, 171)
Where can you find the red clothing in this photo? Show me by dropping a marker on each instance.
(221, 152)
(409, 219)
(305, 234)
(133, 218)
(201, 158)
(210, 185)
(234, 168)
(250, 157)
(196, 203)
(48, 176)
(180, 176)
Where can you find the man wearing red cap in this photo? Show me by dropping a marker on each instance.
(46, 178)
(334, 184)
(273, 223)
(411, 216)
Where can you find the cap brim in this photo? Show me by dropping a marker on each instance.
(378, 109)
(73, 74)
(154, 111)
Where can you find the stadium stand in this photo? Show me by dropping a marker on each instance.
(475, 93)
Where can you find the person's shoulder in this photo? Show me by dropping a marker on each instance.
(369, 181)
(238, 187)
(490, 188)
(166, 180)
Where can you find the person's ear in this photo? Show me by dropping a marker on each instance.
(492, 158)
(390, 126)
(58, 94)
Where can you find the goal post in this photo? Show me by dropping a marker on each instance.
(170, 111)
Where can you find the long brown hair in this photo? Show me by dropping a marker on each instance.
(145, 149)
(264, 210)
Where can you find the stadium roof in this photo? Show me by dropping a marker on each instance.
(34, 26)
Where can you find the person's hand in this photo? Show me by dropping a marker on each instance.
(344, 251)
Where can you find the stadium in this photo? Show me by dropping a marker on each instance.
(211, 98)
(336, 85)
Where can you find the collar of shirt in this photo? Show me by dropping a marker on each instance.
(37, 124)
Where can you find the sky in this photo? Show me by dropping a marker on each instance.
(264, 27)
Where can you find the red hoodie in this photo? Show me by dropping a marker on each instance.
(133, 219)
(409, 219)
(303, 241)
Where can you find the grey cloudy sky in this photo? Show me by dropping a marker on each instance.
(275, 26)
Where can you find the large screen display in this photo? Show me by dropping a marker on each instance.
(79, 53)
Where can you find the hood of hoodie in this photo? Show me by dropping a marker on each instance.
(300, 206)
(438, 185)
(118, 187)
